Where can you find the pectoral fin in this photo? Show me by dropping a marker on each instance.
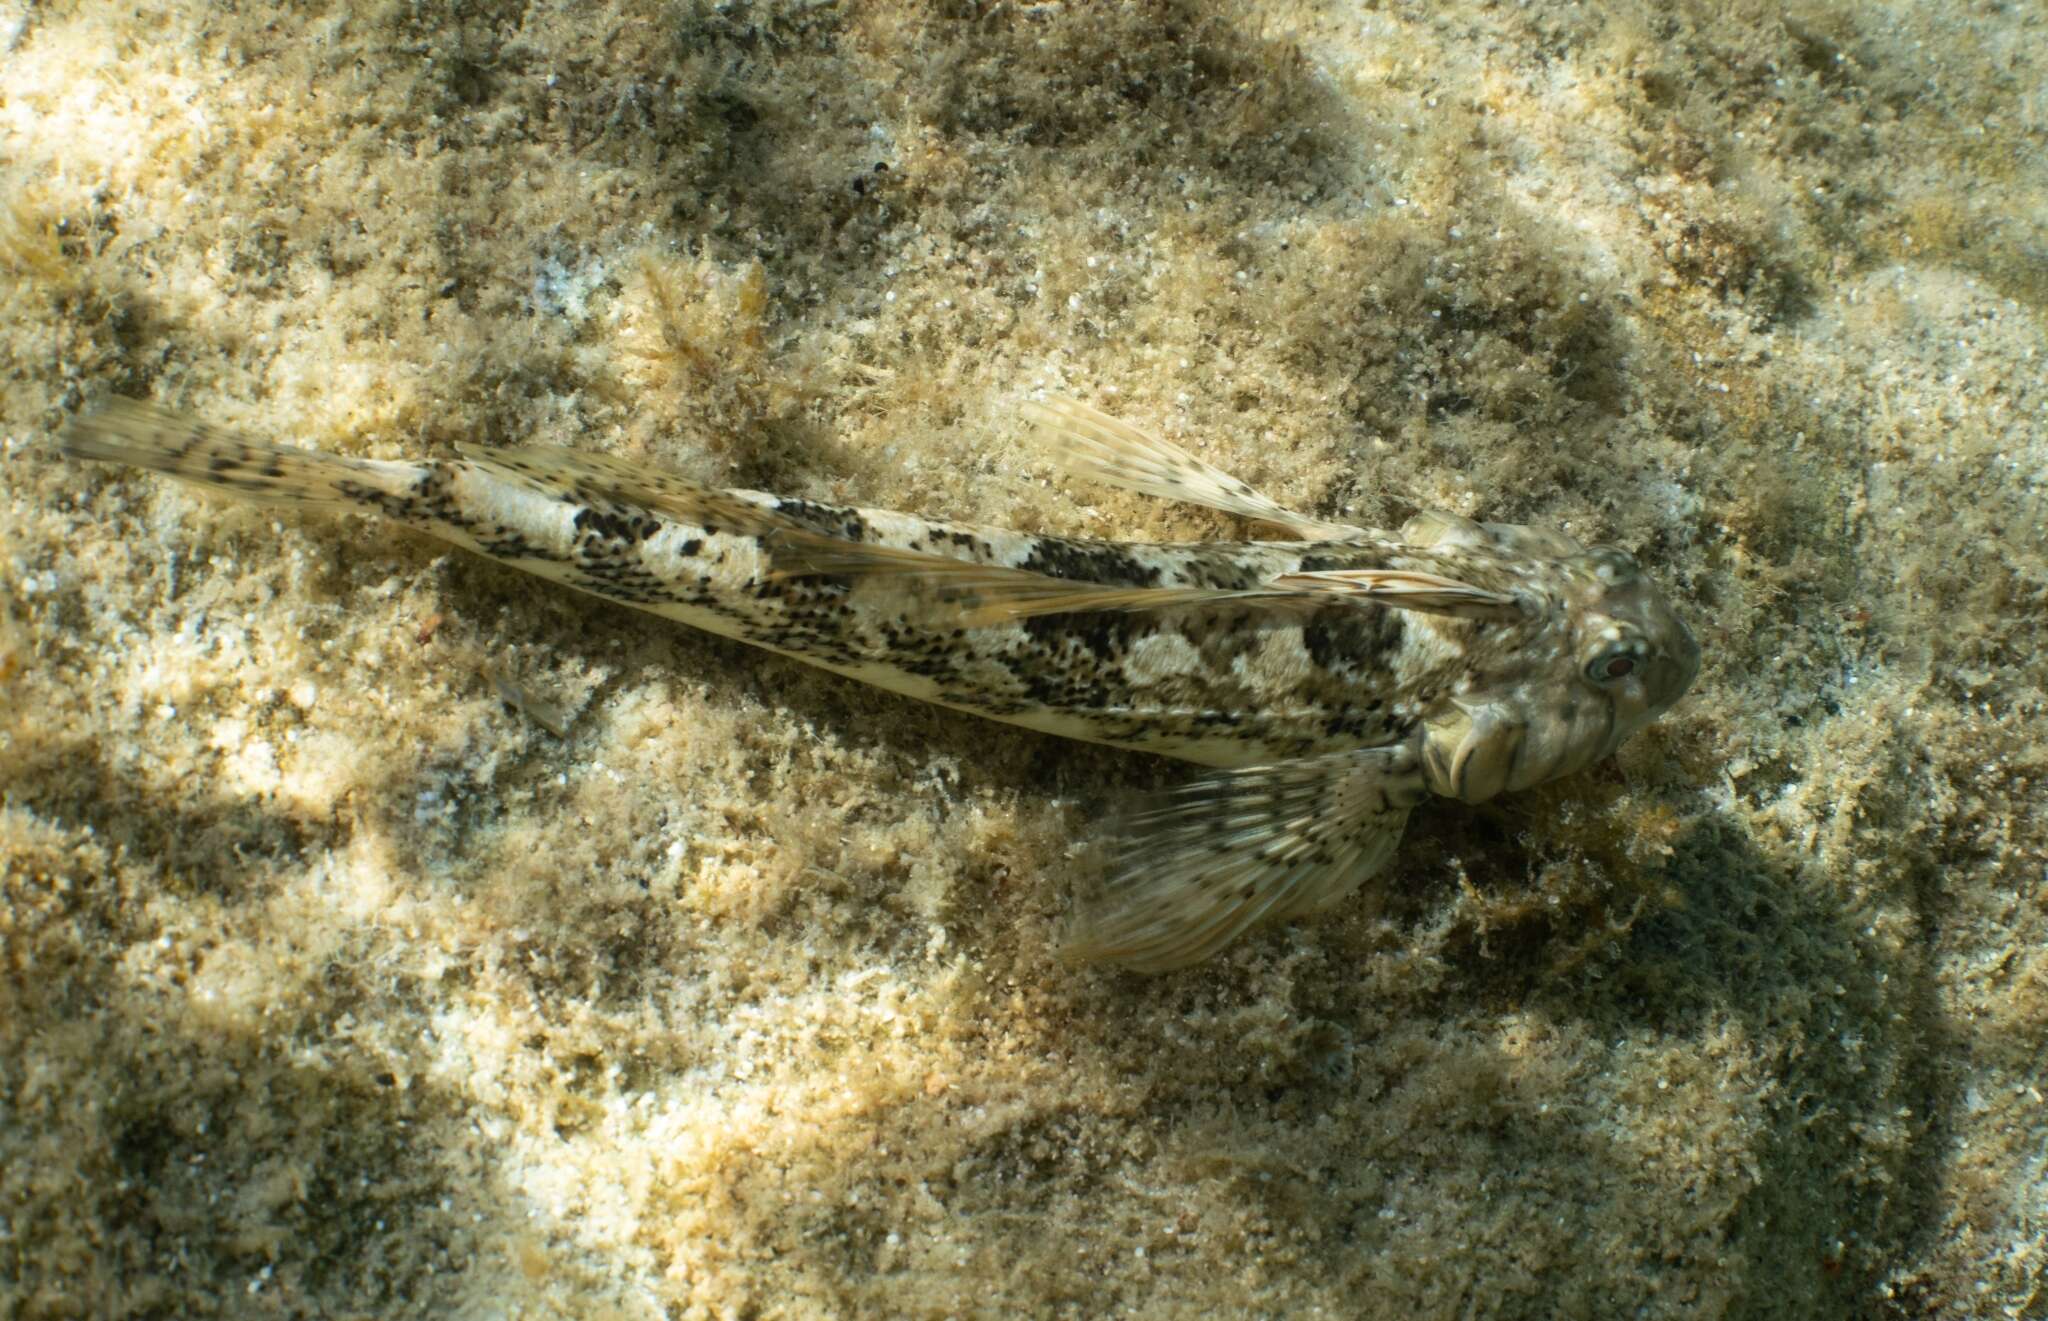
(1091, 444)
(1207, 861)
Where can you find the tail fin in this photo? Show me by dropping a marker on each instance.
(145, 436)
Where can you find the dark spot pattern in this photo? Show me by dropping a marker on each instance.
(617, 524)
(1090, 562)
(1349, 640)
(832, 520)
(1211, 681)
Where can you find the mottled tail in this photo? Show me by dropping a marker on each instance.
(142, 435)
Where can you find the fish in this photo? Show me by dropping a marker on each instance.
(1326, 680)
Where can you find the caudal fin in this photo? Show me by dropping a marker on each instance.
(144, 436)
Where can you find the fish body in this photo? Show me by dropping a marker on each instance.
(1331, 681)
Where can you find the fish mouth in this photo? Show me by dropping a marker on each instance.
(1485, 749)
(1471, 754)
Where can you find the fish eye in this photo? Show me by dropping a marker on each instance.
(1610, 666)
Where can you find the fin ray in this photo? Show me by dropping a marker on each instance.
(1405, 589)
(1207, 861)
(1099, 448)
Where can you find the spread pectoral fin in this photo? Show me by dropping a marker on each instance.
(1093, 445)
(1205, 862)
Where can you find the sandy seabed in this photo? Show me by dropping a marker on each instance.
(332, 983)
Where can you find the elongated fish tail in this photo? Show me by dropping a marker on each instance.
(141, 435)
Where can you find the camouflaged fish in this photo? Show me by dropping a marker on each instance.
(1333, 681)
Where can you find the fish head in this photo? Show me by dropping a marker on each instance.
(1596, 655)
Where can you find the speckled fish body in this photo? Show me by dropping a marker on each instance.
(1335, 680)
(1224, 684)
(1228, 684)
